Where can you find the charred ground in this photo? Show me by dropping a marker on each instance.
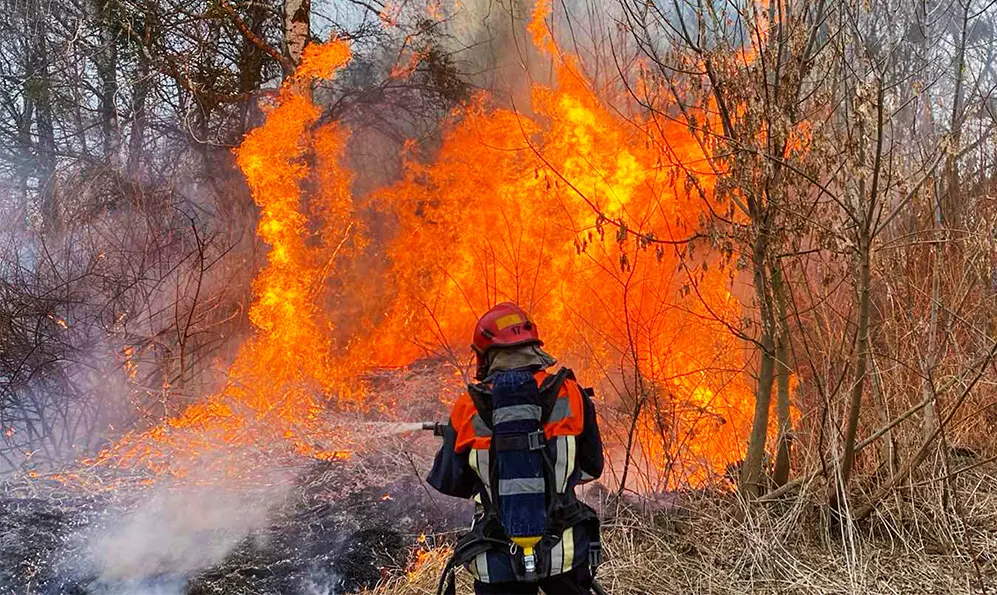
(321, 540)
(331, 526)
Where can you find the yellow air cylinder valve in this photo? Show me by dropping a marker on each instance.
(529, 559)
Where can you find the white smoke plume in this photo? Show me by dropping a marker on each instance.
(180, 528)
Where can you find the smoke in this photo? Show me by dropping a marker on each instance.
(321, 584)
(492, 42)
(94, 336)
(179, 529)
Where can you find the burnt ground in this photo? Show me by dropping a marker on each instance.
(331, 546)
(341, 527)
(319, 541)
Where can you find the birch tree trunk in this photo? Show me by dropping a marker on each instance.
(297, 30)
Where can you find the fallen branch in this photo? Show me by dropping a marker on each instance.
(956, 473)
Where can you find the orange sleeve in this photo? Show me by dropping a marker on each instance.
(574, 423)
(461, 418)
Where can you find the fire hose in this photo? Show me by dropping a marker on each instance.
(437, 429)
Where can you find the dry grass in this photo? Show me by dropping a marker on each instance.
(710, 546)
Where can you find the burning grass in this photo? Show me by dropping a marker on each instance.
(256, 516)
(283, 377)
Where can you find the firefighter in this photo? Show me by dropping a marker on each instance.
(518, 442)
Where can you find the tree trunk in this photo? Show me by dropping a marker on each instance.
(136, 140)
(45, 123)
(106, 62)
(751, 470)
(250, 66)
(930, 423)
(953, 210)
(26, 165)
(297, 30)
(865, 216)
(948, 213)
(888, 445)
(783, 457)
(861, 360)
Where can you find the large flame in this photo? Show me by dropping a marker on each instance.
(280, 376)
(569, 210)
(574, 213)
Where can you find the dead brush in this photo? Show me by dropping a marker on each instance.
(713, 543)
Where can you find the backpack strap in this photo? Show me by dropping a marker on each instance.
(532, 441)
(549, 390)
(481, 396)
(467, 548)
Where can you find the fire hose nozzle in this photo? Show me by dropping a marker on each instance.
(433, 426)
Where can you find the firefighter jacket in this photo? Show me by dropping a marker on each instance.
(569, 441)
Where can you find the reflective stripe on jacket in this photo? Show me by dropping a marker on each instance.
(463, 468)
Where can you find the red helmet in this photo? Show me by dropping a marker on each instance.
(505, 325)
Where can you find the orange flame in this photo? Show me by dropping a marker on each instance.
(538, 28)
(427, 560)
(573, 212)
(279, 378)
